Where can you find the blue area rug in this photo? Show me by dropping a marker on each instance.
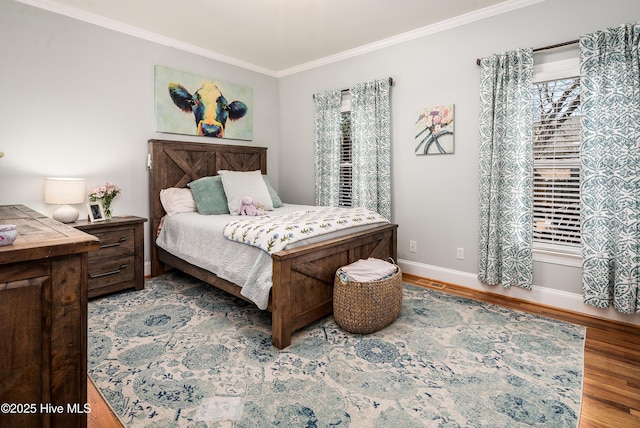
(181, 353)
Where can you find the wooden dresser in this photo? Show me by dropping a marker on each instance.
(119, 264)
(43, 322)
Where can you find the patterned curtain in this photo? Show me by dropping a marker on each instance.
(371, 140)
(506, 169)
(327, 141)
(610, 168)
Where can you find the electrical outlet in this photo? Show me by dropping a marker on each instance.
(413, 246)
(460, 253)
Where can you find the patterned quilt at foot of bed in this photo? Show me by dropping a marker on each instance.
(273, 233)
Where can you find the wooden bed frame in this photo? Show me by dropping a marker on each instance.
(303, 277)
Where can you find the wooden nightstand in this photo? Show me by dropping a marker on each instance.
(119, 263)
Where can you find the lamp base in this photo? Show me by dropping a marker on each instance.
(65, 214)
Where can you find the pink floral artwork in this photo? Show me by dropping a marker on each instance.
(435, 130)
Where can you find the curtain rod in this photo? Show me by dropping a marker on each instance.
(557, 45)
(347, 90)
(390, 84)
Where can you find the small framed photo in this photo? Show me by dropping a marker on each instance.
(96, 212)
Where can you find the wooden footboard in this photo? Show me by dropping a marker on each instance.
(303, 277)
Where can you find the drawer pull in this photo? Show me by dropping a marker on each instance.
(113, 272)
(116, 244)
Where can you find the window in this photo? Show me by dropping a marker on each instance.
(556, 151)
(360, 177)
(346, 160)
(346, 153)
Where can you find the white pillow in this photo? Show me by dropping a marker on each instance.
(175, 200)
(238, 184)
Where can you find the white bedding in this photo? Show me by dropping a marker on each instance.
(199, 240)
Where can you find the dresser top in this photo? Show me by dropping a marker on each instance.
(40, 236)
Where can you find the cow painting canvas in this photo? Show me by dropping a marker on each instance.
(195, 105)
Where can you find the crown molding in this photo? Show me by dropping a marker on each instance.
(75, 13)
(448, 24)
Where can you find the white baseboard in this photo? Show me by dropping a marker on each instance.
(541, 295)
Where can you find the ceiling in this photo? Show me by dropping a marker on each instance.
(278, 37)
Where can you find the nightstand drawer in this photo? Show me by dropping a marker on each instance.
(113, 243)
(103, 273)
(119, 263)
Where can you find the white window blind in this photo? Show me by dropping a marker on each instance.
(346, 161)
(556, 151)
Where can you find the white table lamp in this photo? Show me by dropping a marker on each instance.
(64, 192)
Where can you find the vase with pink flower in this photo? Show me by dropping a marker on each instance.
(105, 193)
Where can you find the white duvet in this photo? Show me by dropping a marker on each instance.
(199, 240)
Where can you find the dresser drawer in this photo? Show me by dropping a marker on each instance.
(113, 243)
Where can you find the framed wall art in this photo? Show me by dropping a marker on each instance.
(434, 131)
(189, 104)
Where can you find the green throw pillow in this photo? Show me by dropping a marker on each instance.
(209, 195)
(277, 203)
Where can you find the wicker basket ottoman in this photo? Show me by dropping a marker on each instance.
(366, 307)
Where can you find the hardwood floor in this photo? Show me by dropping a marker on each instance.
(611, 388)
(101, 415)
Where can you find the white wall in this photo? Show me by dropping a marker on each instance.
(435, 198)
(78, 100)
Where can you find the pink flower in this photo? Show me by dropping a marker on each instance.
(104, 192)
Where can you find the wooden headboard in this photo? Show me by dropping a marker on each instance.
(176, 163)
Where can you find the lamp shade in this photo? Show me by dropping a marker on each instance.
(64, 191)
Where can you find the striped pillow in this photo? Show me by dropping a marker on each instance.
(238, 184)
